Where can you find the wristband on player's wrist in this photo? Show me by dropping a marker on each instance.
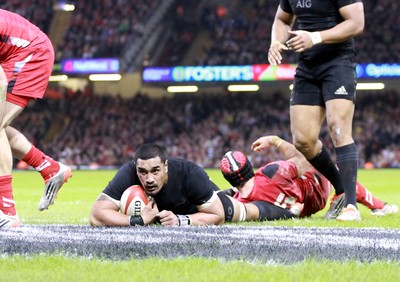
(183, 220)
(136, 220)
(316, 37)
(277, 141)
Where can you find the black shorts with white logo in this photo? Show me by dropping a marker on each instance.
(319, 81)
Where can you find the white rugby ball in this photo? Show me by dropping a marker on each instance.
(133, 200)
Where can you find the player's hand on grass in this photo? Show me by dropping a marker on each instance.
(168, 218)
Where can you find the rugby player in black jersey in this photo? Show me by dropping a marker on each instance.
(324, 86)
(181, 194)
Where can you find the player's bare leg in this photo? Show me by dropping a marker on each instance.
(339, 116)
(306, 122)
(8, 213)
(240, 211)
(253, 213)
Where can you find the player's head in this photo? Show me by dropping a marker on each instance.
(149, 151)
(151, 167)
(236, 168)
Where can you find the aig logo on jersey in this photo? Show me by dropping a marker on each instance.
(304, 4)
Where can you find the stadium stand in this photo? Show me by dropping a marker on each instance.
(45, 14)
(166, 32)
(241, 33)
(110, 28)
(40, 12)
(105, 130)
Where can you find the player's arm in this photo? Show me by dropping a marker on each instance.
(279, 35)
(352, 25)
(287, 149)
(209, 213)
(105, 212)
(201, 192)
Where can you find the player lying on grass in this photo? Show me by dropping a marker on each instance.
(181, 194)
(286, 183)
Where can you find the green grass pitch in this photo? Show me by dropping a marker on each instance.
(77, 196)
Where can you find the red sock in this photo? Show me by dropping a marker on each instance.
(366, 198)
(41, 162)
(7, 203)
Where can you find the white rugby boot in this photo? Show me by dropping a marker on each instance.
(53, 185)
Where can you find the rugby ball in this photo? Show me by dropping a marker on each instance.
(133, 200)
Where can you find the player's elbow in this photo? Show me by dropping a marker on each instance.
(359, 28)
(354, 18)
(209, 219)
(95, 220)
(218, 220)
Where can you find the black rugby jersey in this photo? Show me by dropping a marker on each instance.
(317, 15)
(188, 186)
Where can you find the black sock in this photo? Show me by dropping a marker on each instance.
(269, 211)
(347, 161)
(324, 164)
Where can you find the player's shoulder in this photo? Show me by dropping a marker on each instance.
(129, 165)
(127, 169)
(177, 166)
(342, 3)
(180, 163)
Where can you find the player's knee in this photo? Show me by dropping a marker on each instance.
(339, 135)
(340, 128)
(305, 145)
(8, 114)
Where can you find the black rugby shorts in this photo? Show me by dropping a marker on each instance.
(316, 83)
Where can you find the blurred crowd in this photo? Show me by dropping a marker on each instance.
(104, 28)
(39, 12)
(84, 129)
(241, 33)
(92, 130)
(239, 30)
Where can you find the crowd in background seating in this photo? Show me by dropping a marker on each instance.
(242, 36)
(104, 28)
(39, 12)
(104, 130)
(241, 33)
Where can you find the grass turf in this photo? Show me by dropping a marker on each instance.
(58, 268)
(73, 207)
(77, 196)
